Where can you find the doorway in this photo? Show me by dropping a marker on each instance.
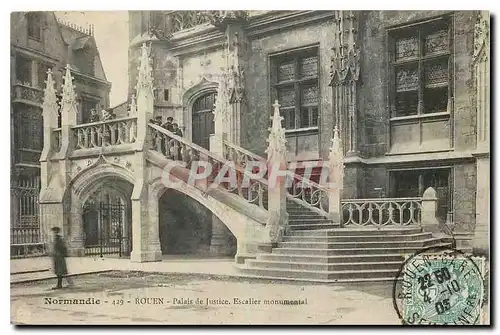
(203, 120)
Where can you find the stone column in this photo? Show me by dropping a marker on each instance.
(231, 22)
(345, 76)
(335, 177)
(277, 169)
(221, 113)
(55, 176)
(145, 217)
(145, 97)
(237, 42)
(145, 225)
(482, 73)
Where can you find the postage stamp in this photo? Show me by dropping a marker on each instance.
(442, 287)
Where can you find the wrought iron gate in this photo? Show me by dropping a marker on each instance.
(25, 223)
(111, 239)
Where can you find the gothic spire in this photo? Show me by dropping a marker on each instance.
(68, 91)
(50, 106)
(145, 76)
(276, 149)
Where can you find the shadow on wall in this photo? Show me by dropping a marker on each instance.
(186, 227)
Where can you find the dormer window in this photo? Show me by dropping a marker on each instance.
(34, 25)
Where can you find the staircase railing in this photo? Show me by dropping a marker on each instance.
(305, 191)
(174, 147)
(381, 212)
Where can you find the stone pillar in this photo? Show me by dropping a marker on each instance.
(222, 242)
(76, 241)
(482, 73)
(145, 225)
(221, 113)
(34, 73)
(335, 177)
(277, 169)
(345, 75)
(145, 97)
(231, 22)
(145, 216)
(237, 42)
(428, 214)
(55, 177)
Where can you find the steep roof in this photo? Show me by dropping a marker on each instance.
(78, 39)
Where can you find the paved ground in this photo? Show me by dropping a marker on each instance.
(368, 303)
(41, 267)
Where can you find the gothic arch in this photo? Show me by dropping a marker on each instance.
(85, 184)
(88, 180)
(189, 97)
(237, 228)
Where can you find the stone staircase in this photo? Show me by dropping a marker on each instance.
(317, 249)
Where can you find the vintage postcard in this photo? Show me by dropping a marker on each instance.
(252, 167)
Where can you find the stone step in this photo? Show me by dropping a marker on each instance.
(356, 238)
(349, 231)
(359, 244)
(298, 216)
(305, 274)
(298, 210)
(313, 226)
(330, 259)
(309, 221)
(350, 251)
(323, 266)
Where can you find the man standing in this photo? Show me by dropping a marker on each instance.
(177, 131)
(59, 254)
(168, 125)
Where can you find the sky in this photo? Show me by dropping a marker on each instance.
(111, 34)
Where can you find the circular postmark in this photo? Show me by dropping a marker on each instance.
(439, 286)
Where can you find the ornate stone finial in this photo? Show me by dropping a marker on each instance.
(133, 106)
(68, 91)
(220, 18)
(336, 160)
(482, 36)
(50, 106)
(345, 61)
(276, 149)
(145, 76)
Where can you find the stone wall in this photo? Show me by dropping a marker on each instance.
(464, 197)
(373, 93)
(257, 80)
(185, 224)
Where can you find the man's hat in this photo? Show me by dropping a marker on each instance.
(56, 229)
(158, 117)
(170, 118)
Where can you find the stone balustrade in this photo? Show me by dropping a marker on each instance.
(176, 148)
(105, 133)
(27, 93)
(382, 212)
(309, 193)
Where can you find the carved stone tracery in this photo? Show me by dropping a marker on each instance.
(481, 36)
(345, 70)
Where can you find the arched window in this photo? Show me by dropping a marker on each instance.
(203, 119)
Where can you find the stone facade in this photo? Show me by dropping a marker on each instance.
(357, 55)
(39, 41)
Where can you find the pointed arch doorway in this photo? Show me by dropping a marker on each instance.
(203, 119)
